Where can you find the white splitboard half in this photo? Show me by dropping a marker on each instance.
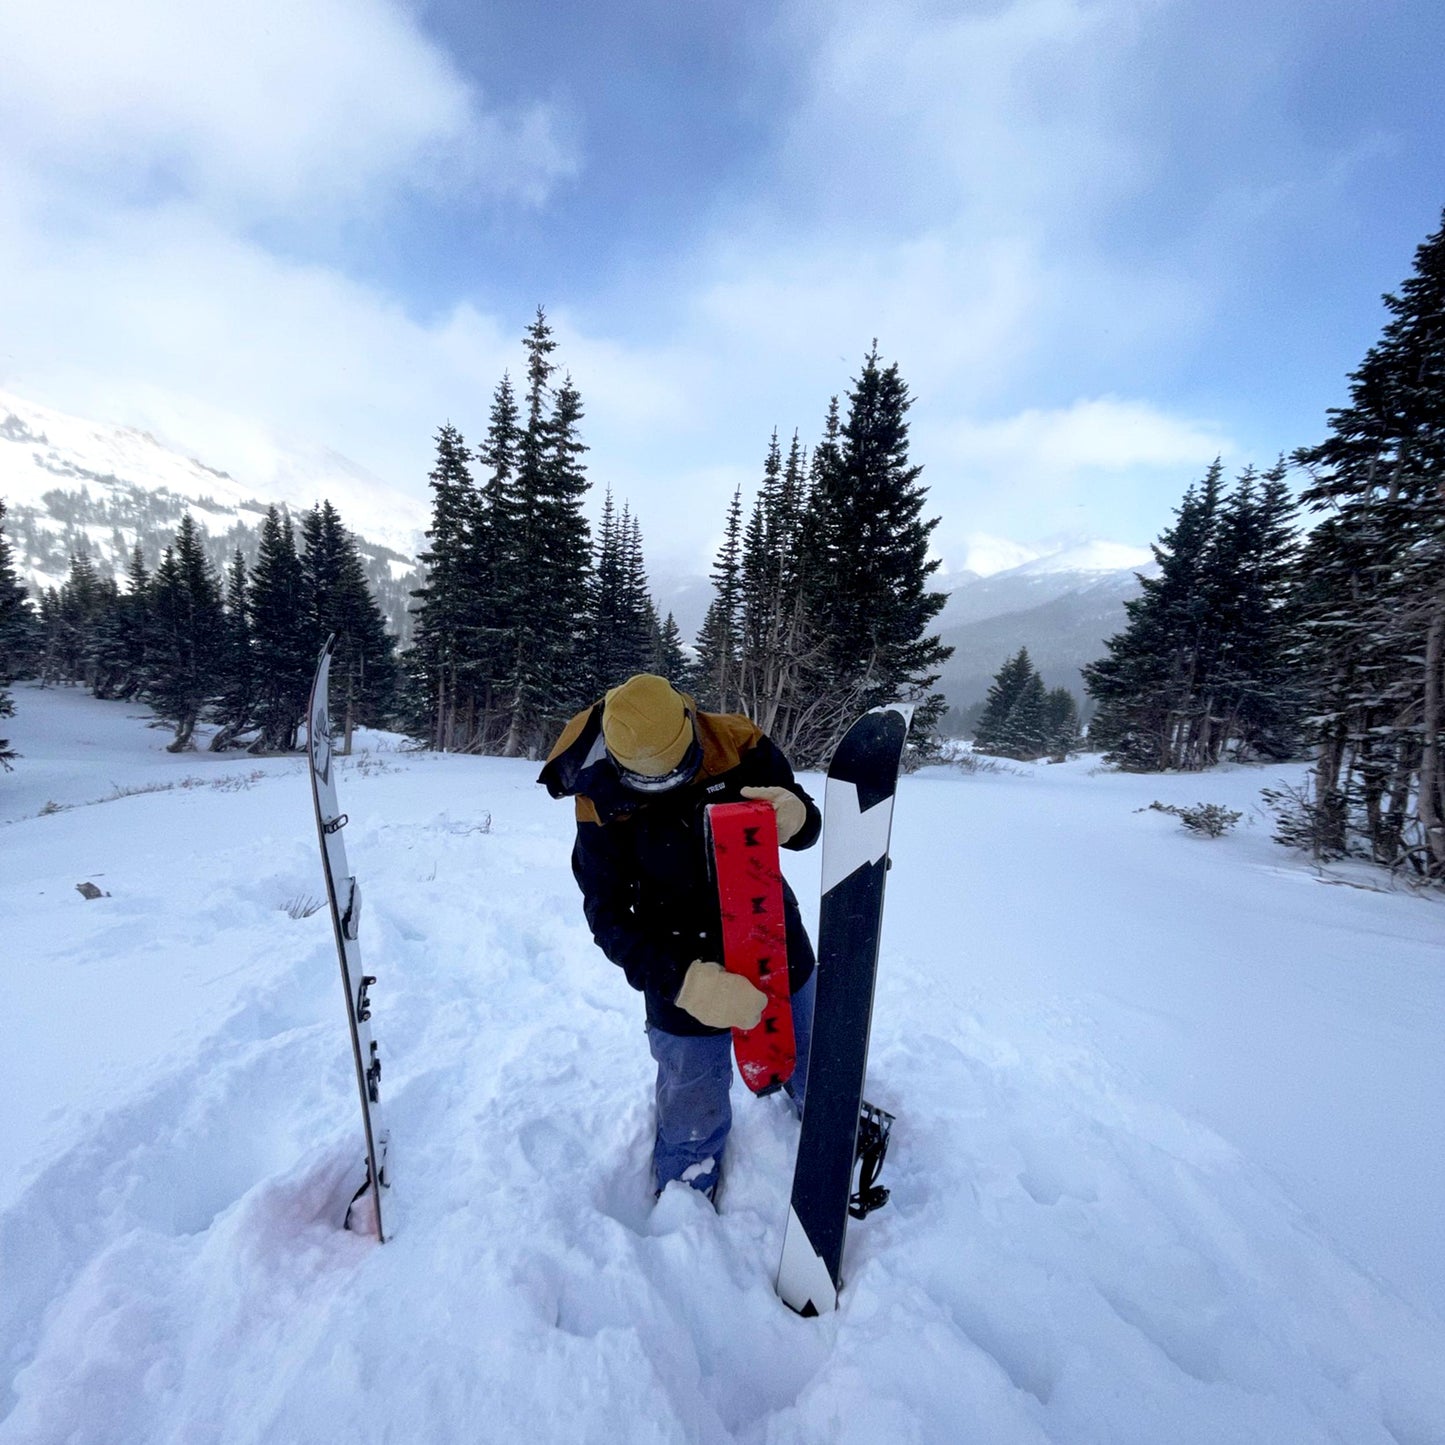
(344, 896)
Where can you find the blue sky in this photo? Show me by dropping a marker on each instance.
(1104, 239)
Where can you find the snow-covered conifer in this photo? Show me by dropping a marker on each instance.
(283, 650)
(1373, 592)
(186, 636)
(445, 603)
(17, 626)
(718, 643)
(340, 604)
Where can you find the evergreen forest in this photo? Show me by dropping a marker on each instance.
(1313, 624)
(1295, 611)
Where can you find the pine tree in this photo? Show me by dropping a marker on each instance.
(1021, 718)
(235, 672)
(446, 614)
(340, 605)
(282, 650)
(1144, 687)
(186, 636)
(1258, 700)
(1027, 728)
(546, 676)
(1203, 668)
(119, 650)
(604, 601)
(669, 659)
(992, 734)
(105, 651)
(770, 596)
(499, 586)
(637, 624)
(1061, 714)
(1373, 591)
(718, 642)
(70, 621)
(872, 604)
(622, 627)
(17, 625)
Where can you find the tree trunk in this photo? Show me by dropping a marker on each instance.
(185, 726)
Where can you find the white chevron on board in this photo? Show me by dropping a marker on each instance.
(802, 1275)
(860, 836)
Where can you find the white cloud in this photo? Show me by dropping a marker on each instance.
(946, 181)
(1005, 113)
(1094, 434)
(271, 106)
(164, 320)
(1103, 466)
(141, 145)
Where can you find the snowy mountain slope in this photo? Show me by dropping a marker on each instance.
(1078, 578)
(1089, 557)
(1062, 606)
(1166, 1165)
(65, 481)
(1021, 589)
(1062, 634)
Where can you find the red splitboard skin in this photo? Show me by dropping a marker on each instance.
(743, 839)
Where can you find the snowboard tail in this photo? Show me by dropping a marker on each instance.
(857, 819)
(343, 894)
(743, 848)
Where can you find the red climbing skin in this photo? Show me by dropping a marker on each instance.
(744, 842)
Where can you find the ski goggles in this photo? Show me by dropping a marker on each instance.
(684, 772)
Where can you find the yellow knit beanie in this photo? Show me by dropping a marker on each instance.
(646, 726)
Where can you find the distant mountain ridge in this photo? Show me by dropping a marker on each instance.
(1062, 605)
(67, 483)
(1064, 618)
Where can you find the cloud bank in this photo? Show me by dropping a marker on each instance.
(187, 193)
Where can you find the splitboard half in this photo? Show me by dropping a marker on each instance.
(857, 820)
(344, 895)
(743, 843)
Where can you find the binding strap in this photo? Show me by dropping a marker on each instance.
(874, 1127)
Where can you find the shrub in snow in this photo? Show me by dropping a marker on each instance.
(1209, 820)
(981, 763)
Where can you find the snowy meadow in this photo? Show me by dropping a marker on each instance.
(1168, 1162)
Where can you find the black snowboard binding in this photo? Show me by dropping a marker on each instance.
(874, 1127)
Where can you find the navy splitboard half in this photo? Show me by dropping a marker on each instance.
(857, 819)
(344, 895)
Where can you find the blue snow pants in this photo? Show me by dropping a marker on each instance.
(694, 1111)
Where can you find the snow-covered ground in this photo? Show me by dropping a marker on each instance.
(1168, 1164)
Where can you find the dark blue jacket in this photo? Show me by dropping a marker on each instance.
(641, 861)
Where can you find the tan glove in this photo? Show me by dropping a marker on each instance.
(720, 999)
(792, 811)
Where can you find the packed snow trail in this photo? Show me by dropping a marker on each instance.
(1088, 1240)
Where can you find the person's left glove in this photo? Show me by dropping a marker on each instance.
(719, 999)
(792, 811)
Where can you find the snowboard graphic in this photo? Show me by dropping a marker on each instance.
(344, 895)
(743, 846)
(857, 819)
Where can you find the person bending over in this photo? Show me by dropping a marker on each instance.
(642, 765)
